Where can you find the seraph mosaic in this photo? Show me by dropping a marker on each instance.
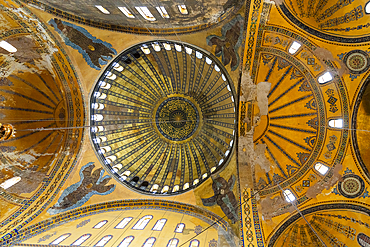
(95, 51)
(228, 44)
(91, 183)
(223, 197)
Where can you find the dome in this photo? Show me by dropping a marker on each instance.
(163, 117)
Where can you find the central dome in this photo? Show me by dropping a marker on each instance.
(163, 117)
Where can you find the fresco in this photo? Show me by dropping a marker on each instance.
(91, 183)
(95, 51)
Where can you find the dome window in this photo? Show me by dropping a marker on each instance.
(336, 123)
(8, 47)
(289, 196)
(111, 159)
(196, 181)
(126, 12)
(154, 188)
(102, 9)
(97, 117)
(180, 228)
(141, 224)
(167, 46)
(126, 241)
(294, 47)
(188, 50)
(367, 8)
(104, 240)
(165, 189)
(97, 106)
(117, 167)
(173, 242)
(145, 12)
(163, 12)
(175, 188)
(97, 129)
(60, 239)
(204, 176)
(156, 46)
(217, 68)
(145, 49)
(149, 242)
(198, 54)
(118, 67)
(10, 182)
(183, 9)
(100, 224)
(81, 240)
(178, 48)
(326, 77)
(105, 149)
(213, 169)
(321, 168)
(186, 186)
(194, 243)
(159, 225)
(100, 139)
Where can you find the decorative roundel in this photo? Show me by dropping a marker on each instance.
(357, 61)
(352, 186)
(163, 117)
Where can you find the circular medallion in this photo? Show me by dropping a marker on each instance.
(163, 117)
(357, 61)
(177, 118)
(352, 186)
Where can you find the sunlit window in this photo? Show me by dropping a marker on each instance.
(110, 76)
(195, 181)
(183, 9)
(97, 106)
(82, 239)
(10, 182)
(110, 159)
(173, 242)
(126, 12)
(188, 50)
(194, 243)
(213, 169)
(141, 224)
(289, 197)
(180, 228)
(367, 8)
(100, 139)
(178, 48)
(105, 149)
(163, 12)
(61, 238)
(97, 129)
(126, 241)
(145, 12)
(204, 176)
(154, 188)
(326, 77)
(217, 68)
(159, 225)
(208, 61)
(123, 223)
(100, 224)
(149, 242)
(175, 188)
(167, 46)
(294, 47)
(186, 186)
(8, 47)
(221, 161)
(165, 189)
(117, 167)
(156, 46)
(321, 168)
(198, 54)
(118, 67)
(104, 240)
(102, 9)
(336, 123)
(97, 117)
(145, 49)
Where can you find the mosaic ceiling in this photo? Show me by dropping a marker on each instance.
(164, 117)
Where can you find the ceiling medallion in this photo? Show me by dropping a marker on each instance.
(357, 61)
(352, 186)
(163, 117)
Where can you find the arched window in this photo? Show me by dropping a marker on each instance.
(149, 242)
(367, 8)
(173, 242)
(180, 228)
(126, 241)
(336, 123)
(145, 12)
(10, 182)
(104, 240)
(294, 47)
(100, 224)
(126, 12)
(321, 168)
(82, 239)
(141, 224)
(123, 223)
(159, 225)
(61, 238)
(194, 243)
(326, 77)
(162, 10)
(289, 196)
(102, 9)
(183, 9)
